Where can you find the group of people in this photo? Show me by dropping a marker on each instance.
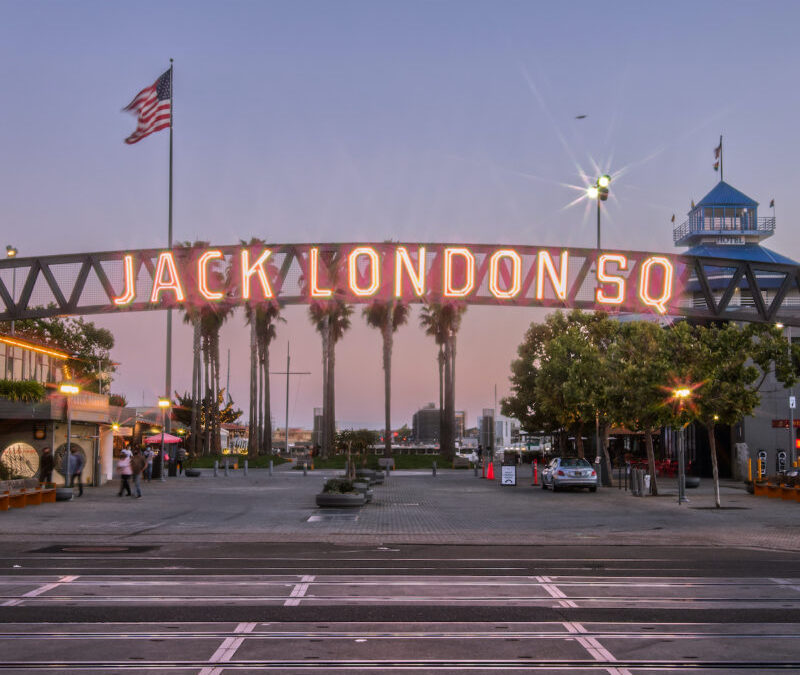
(137, 463)
(75, 463)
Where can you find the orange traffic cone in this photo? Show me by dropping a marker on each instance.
(490, 472)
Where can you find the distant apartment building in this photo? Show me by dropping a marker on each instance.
(425, 424)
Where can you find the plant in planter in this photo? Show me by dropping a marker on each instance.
(338, 492)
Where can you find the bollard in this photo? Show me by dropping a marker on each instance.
(758, 467)
(226, 467)
(305, 468)
(475, 470)
(535, 472)
(216, 467)
(245, 467)
(434, 468)
(270, 467)
(750, 469)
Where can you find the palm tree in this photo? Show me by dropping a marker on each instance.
(332, 319)
(442, 321)
(261, 316)
(386, 317)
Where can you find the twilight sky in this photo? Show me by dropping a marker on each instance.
(303, 121)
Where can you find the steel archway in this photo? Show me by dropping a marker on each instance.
(480, 274)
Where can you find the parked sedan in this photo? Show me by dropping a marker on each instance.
(565, 472)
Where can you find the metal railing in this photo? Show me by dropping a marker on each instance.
(687, 227)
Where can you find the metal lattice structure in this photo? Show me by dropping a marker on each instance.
(701, 288)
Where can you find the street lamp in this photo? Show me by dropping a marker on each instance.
(163, 403)
(11, 252)
(69, 390)
(599, 192)
(681, 395)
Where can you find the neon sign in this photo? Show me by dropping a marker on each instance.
(358, 273)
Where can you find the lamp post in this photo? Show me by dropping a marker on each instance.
(681, 395)
(792, 436)
(163, 403)
(598, 192)
(11, 252)
(69, 390)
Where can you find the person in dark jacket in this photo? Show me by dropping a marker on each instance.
(46, 464)
(76, 462)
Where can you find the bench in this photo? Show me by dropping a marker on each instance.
(18, 494)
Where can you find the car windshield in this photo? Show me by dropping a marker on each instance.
(576, 463)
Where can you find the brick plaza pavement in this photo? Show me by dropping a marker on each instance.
(410, 507)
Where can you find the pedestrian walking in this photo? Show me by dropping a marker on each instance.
(76, 463)
(46, 464)
(180, 458)
(124, 468)
(148, 469)
(138, 465)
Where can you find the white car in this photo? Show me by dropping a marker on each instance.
(565, 472)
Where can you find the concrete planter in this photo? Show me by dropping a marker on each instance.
(788, 492)
(760, 489)
(192, 473)
(64, 494)
(692, 481)
(341, 499)
(363, 488)
(773, 491)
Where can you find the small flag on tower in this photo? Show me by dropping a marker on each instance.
(693, 203)
(153, 106)
(717, 153)
(772, 203)
(673, 217)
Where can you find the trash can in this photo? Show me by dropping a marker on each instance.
(647, 483)
(157, 466)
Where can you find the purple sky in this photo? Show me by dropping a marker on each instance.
(347, 121)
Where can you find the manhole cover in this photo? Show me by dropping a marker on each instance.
(86, 548)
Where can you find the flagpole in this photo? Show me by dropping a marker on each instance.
(721, 169)
(168, 387)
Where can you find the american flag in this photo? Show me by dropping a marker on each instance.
(153, 105)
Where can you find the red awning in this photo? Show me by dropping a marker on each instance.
(155, 439)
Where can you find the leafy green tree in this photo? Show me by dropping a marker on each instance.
(724, 366)
(387, 317)
(638, 394)
(89, 347)
(226, 410)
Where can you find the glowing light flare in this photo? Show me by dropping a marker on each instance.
(469, 273)
(667, 273)
(515, 284)
(558, 279)
(352, 264)
(130, 283)
(69, 388)
(33, 348)
(202, 275)
(166, 263)
(313, 264)
(592, 192)
(604, 278)
(164, 403)
(417, 278)
(256, 268)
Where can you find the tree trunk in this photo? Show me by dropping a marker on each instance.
(252, 436)
(207, 398)
(712, 444)
(651, 461)
(453, 432)
(446, 444)
(332, 392)
(441, 359)
(579, 442)
(387, 383)
(267, 412)
(605, 430)
(323, 430)
(260, 402)
(197, 381)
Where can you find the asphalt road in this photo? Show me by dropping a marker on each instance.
(139, 586)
